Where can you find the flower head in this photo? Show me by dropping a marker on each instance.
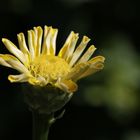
(39, 64)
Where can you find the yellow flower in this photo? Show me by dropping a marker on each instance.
(39, 64)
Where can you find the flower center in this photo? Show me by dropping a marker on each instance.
(49, 66)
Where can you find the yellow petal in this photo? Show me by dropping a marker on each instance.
(68, 86)
(31, 43)
(46, 31)
(97, 67)
(71, 47)
(62, 52)
(96, 59)
(18, 78)
(79, 50)
(87, 54)
(23, 47)
(38, 35)
(49, 44)
(39, 81)
(53, 41)
(77, 71)
(96, 64)
(33, 81)
(14, 50)
(14, 63)
(44, 47)
(42, 81)
(22, 43)
(4, 63)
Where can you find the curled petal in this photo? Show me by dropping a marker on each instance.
(96, 59)
(33, 81)
(23, 47)
(64, 50)
(77, 71)
(71, 47)
(41, 81)
(96, 64)
(53, 41)
(79, 50)
(22, 43)
(4, 63)
(49, 44)
(31, 43)
(67, 86)
(87, 54)
(44, 47)
(18, 78)
(38, 39)
(14, 63)
(14, 50)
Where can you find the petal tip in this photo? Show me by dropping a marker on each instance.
(4, 40)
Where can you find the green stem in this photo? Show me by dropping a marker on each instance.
(41, 125)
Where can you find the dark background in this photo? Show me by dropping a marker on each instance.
(106, 106)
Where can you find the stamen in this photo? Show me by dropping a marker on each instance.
(49, 66)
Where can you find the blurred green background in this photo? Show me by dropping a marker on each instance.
(107, 104)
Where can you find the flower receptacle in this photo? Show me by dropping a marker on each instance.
(45, 100)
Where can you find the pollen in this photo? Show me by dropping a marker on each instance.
(49, 66)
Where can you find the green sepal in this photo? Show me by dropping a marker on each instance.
(45, 100)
